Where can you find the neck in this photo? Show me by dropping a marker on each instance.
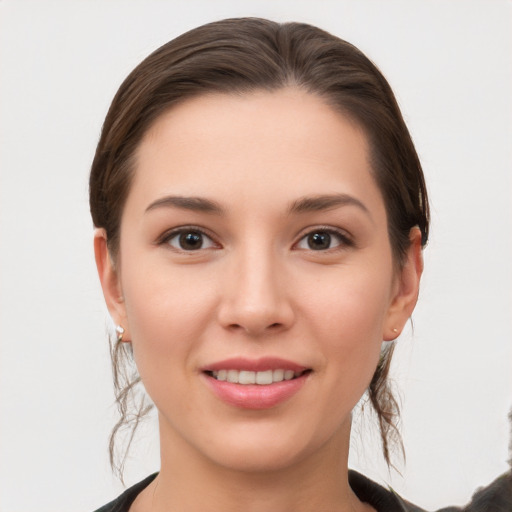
(189, 482)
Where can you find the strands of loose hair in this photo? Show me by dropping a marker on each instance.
(386, 407)
(132, 403)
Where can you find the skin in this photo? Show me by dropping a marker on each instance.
(256, 289)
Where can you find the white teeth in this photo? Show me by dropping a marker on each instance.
(264, 377)
(289, 374)
(232, 376)
(248, 377)
(278, 375)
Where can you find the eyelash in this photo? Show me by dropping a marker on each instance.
(345, 241)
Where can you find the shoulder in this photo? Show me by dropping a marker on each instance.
(380, 498)
(124, 501)
(495, 497)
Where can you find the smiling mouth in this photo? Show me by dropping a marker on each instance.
(262, 378)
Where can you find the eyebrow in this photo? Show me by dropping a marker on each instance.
(302, 205)
(326, 202)
(196, 204)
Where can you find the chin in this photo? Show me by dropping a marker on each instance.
(258, 459)
(256, 452)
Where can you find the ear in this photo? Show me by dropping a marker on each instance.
(109, 278)
(405, 294)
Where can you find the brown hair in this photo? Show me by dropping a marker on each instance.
(238, 56)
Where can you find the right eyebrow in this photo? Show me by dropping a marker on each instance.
(326, 202)
(196, 204)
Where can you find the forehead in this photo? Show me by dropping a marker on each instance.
(281, 143)
(288, 115)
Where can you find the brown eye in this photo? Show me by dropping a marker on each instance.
(189, 240)
(323, 240)
(319, 241)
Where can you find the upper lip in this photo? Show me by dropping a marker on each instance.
(255, 365)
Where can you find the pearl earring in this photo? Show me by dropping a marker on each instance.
(120, 332)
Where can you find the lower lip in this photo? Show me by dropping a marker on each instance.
(255, 396)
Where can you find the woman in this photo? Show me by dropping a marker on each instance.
(261, 213)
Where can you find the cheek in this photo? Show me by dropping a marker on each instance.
(347, 318)
(354, 336)
(352, 302)
(165, 318)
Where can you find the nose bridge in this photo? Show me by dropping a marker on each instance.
(257, 296)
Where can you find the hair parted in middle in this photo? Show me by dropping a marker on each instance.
(240, 56)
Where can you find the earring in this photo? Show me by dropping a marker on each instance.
(395, 330)
(120, 332)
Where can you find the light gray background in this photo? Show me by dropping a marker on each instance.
(61, 62)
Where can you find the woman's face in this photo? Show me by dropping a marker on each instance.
(254, 247)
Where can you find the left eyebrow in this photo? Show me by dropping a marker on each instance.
(326, 202)
(197, 204)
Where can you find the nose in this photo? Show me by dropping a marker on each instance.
(255, 298)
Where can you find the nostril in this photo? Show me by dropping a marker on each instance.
(272, 327)
(236, 327)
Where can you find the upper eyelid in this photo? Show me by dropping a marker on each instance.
(329, 229)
